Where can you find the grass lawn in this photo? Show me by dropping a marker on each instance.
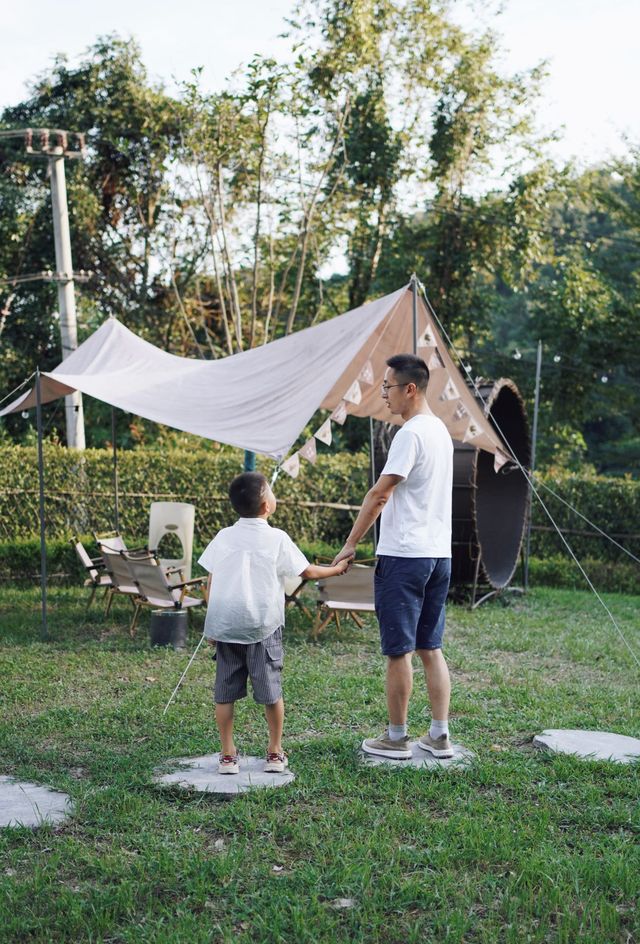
(522, 846)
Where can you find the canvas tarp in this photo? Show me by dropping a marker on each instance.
(263, 398)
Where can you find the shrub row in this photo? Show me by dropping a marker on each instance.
(79, 500)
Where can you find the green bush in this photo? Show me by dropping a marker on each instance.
(79, 500)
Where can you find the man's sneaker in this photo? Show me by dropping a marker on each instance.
(439, 747)
(229, 764)
(276, 763)
(383, 746)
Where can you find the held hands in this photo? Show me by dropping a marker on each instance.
(343, 565)
(347, 553)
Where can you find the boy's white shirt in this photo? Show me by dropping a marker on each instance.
(248, 563)
(416, 520)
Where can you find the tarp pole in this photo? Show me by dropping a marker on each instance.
(373, 479)
(116, 497)
(43, 544)
(414, 289)
(534, 439)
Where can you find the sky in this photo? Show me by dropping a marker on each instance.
(591, 45)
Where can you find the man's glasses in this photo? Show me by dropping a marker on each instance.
(385, 386)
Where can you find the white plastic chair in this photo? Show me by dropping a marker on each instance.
(173, 518)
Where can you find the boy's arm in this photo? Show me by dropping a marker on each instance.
(317, 571)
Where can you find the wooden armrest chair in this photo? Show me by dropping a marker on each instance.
(292, 588)
(120, 574)
(94, 566)
(350, 594)
(153, 588)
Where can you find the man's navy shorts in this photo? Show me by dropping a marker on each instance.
(410, 594)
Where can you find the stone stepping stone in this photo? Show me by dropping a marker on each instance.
(29, 804)
(201, 773)
(462, 757)
(590, 745)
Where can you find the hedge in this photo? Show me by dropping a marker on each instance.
(79, 500)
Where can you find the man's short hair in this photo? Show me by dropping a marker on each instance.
(247, 492)
(410, 369)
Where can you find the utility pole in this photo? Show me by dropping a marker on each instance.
(54, 145)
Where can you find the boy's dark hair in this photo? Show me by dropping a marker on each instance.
(410, 369)
(246, 493)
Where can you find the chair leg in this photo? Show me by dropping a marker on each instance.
(91, 598)
(132, 627)
(321, 623)
(356, 619)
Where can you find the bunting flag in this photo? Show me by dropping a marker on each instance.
(471, 433)
(460, 412)
(339, 415)
(435, 361)
(353, 394)
(308, 451)
(499, 460)
(291, 465)
(324, 433)
(426, 339)
(450, 391)
(366, 374)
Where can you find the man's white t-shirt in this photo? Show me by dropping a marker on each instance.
(248, 563)
(416, 520)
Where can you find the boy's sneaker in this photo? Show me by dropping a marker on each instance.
(439, 747)
(384, 746)
(229, 764)
(276, 763)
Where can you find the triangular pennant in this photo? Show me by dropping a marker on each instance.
(366, 374)
(460, 413)
(324, 433)
(339, 415)
(292, 465)
(499, 460)
(435, 361)
(471, 432)
(450, 391)
(353, 394)
(427, 339)
(308, 451)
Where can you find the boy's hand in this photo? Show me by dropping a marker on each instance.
(344, 565)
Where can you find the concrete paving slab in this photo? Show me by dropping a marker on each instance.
(30, 804)
(201, 773)
(590, 745)
(462, 758)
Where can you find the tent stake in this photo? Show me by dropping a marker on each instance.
(43, 545)
(116, 497)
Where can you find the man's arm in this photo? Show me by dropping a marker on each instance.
(374, 501)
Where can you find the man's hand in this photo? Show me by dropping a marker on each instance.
(347, 553)
(211, 642)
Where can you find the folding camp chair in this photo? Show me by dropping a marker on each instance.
(350, 593)
(120, 573)
(292, 588)
(153, 588)
(97, 575)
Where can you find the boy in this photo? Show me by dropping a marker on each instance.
(247, 564)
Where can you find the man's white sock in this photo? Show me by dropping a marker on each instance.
(397, 731)
(438, 728)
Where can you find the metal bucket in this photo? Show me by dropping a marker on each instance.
(168, 628)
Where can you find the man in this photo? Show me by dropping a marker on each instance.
(413, 494)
